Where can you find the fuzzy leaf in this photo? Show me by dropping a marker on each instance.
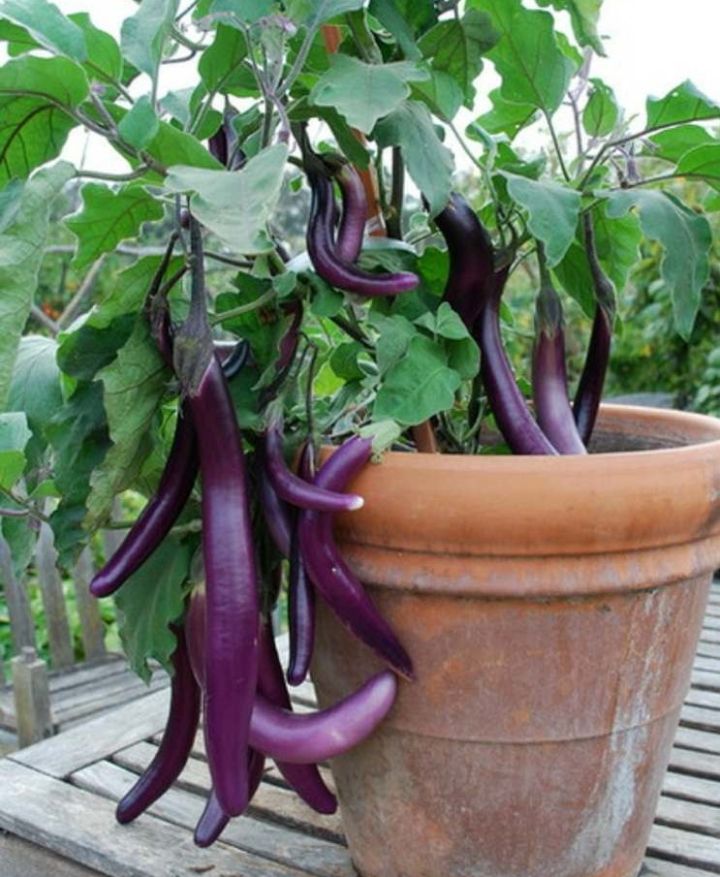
(315, 12)
(602, 112)
(21, 253)
(364, 93)
(143, 35)
(702, 162)
(140, 125)
(108, 217)
(35, 387)
(671, 145)
(221, 62)
(150, 601)
(48, 26)
(104, 59)
(507, 117)
(14, 436)
(685, 103)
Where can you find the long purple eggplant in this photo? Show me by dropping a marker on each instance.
(177, 742)
(301, 595)
(304, 778)
(592, 380)
(332, 577)
(321, 249)
(214, 820)
(471, 253)
(352, 225)
(275, 512)
(549, 376)
(295, 490)
(509, 407)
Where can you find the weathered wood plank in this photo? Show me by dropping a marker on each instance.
(31, 698)
(703, 741)
(709, 650)
(711, 623)
(271, 802)
(658, 868)
(712, 665)
(710, 636)
(701, 717)
(182, 808)
(690, 815)
(51, 588)
(685, 847)
(91, 624)
(22, 859)
(703, 764)
(692, 788)
(113, 692)
(22, 629)
(98, 738)
(698, 697)
(81, 826)
(704, 679)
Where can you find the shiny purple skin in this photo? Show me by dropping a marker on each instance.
(509, 407)
(214, 820)
(159, 515)
(232, 593)
(301, 594)
(177, 742)
(592, 380)
(321, 249)
(295, 490)
(335, 582)
(471, 258)
(355, 207)
(549, 380)
(304, 778)
(290, 340)
(275, 512)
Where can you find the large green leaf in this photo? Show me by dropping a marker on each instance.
(104, 58)
(457, 47)
(221, 61)
(108, 217)
(14, 436)
(686, 237)
(534, 69)
(133, 384)
(143, 35)
(506, 117)
(601, 113)
(21, 252)
(428, 161)
(48, 26)
(395, 20)
(442, 93)
(35, 387)
(364, 93)
(235, 206)
(584, 15)
(315, 12)
(702, 162)
(685, 103)
(150, 601)
(618, 244)
(37, 96)
(243, 11)
(171, 146)
(140, 125)
(553, 212)
(421, 385)
(672, 144)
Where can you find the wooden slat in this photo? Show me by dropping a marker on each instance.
(51, 588)
(703, 679)
(701, 764)
(689, 815)
(658, 868)
(712, 665)
(703, 718)
(91, 624)
(703, 741)
(81, 826)
(692, 788)
(710, 636)
(98, 738)
(114, 692)
(685, 847)
(22, 629)
(22, 859)
(279, 844)
(709, 650)
(697, 697)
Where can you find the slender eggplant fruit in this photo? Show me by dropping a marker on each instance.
(549, 377)
(275, 512)
(471, 258)
(512, 414)
(295, 490)
(321, 249)
(592, 380)
(214, 820)
(332, 577)
(161, 512)
(177, 741)
(218, 145)
(301, 595)
(315, 737)
(290, 340)
(304, 778)
(231, 588)
(352, 225)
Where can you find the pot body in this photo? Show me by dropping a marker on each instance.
(552, 608)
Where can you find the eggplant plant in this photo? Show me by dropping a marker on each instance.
(229, 349)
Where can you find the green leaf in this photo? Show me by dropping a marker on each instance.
(150, 601)
(17, 38)
(133, 389)
(344, 361)
(48, 26)
(457, 48)
(78, 435)
(702, 162)
(573, 274)
(140, 125)
(34, 128)
(617, 242)
(429, 163)
(445, 322)
(601, 112)
(685, 103)
(14, 436)
(392, 18)
(351, 147)
(442, 93)
(108, 217)
(221, 61)
(396, 333)
(246, 11)
(35, 387)
(21, 252)
(235, 205)
(143, 35)
(104, 58)
(364, 93)
(507, 117)
(686, 237)
(533, 68)
(312, 13)
(672, 144)
(584, 15)
(10, 203)
(553, 212)
(171, 146)
(419, 386)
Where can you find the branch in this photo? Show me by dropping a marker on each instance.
(85, 290)
(39, 315)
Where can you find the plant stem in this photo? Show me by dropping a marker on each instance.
(265, 299)
(114, 178)
(556, 144)
(39, 315)
(397, 197)
(227, 260)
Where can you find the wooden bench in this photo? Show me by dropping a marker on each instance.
(40, 700)
(60, 795)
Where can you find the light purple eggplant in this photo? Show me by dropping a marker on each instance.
(351, 230)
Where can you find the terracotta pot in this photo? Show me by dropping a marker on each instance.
(552, 607)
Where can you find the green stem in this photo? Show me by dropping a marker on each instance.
(556, 144)
(260, 302)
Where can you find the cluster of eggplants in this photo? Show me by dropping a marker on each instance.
(477, 280)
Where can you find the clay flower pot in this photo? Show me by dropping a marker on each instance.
(552, 607)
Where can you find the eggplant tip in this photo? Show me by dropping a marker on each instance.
(356, 503)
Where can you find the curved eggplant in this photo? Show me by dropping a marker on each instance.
(214, 820)
(352, 224)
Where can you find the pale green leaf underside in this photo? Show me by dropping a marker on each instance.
(48, 26)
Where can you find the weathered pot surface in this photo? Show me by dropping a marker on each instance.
(552, 607)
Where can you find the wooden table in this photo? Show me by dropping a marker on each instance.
(60, 795)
